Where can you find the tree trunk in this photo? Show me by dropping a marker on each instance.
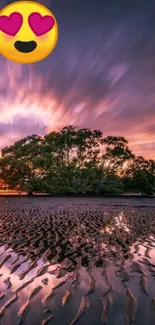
(30, 193)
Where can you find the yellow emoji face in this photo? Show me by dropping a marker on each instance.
(28, 32)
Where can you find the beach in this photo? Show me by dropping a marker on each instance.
(89, 261)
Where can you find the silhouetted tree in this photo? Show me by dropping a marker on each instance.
(78, 161)
(139, 175)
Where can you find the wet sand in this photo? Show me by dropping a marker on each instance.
(77, 261)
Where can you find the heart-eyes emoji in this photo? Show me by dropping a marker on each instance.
(28, 32)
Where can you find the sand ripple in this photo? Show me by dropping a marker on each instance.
(64, 254)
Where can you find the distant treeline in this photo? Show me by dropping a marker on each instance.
(76, 161)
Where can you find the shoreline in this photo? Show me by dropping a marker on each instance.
(40, 195)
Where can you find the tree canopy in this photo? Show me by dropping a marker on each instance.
(75, 161)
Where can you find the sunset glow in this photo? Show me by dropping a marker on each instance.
(98, 84)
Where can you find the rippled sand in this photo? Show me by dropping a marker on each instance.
(84, 261)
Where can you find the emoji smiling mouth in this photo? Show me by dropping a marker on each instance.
(25, 47)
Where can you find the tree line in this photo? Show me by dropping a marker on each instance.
(75, 161)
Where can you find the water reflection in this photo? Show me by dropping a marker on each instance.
(121, 221)
(60, 260)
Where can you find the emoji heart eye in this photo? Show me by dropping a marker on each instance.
(40, 25)
(12, 24)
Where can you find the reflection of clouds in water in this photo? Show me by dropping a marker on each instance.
(24, 293)
(16, 282)
(107, 229)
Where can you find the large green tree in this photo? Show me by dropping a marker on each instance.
(140, 175)
(20, 163)
(78, 161)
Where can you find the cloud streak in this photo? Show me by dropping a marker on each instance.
(101, 75)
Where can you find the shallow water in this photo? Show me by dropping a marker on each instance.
(85, 261)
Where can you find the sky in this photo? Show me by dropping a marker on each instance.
(101, 75)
